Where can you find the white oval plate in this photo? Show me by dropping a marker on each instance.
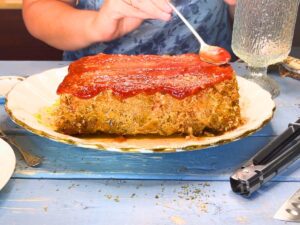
(7, 162)
(26, 99)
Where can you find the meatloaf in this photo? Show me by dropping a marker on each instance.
(147, 94)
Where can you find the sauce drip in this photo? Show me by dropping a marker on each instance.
(179, 76)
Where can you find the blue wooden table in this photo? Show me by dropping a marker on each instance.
(80, 186)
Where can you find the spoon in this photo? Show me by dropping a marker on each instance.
(208, 53)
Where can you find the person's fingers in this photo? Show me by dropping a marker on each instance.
(142, 9)
(123, 9)
(129, 24)
(131, 11)
(151, 9)
(162, 5)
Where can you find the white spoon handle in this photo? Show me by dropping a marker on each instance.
(203, 44)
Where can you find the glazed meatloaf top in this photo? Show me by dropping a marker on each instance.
(126, 76)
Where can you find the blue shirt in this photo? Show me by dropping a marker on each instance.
(209, 17)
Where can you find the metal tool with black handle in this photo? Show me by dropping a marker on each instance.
(268, 162)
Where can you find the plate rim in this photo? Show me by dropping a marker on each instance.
(135, 150)
(100, 147)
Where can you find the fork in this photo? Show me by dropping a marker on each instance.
(29, 158)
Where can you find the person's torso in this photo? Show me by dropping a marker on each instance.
(209, 17)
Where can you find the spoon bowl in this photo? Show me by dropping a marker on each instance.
(214, 55)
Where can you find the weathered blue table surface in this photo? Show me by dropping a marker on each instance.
(83, 186)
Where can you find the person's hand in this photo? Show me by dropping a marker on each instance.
(124, 16)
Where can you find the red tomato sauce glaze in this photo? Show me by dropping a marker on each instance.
(179, 76)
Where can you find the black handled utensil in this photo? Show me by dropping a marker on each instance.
(268, 162)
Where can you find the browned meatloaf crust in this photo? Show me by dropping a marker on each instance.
(214, 109)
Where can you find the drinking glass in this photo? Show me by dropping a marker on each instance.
(262, 35)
